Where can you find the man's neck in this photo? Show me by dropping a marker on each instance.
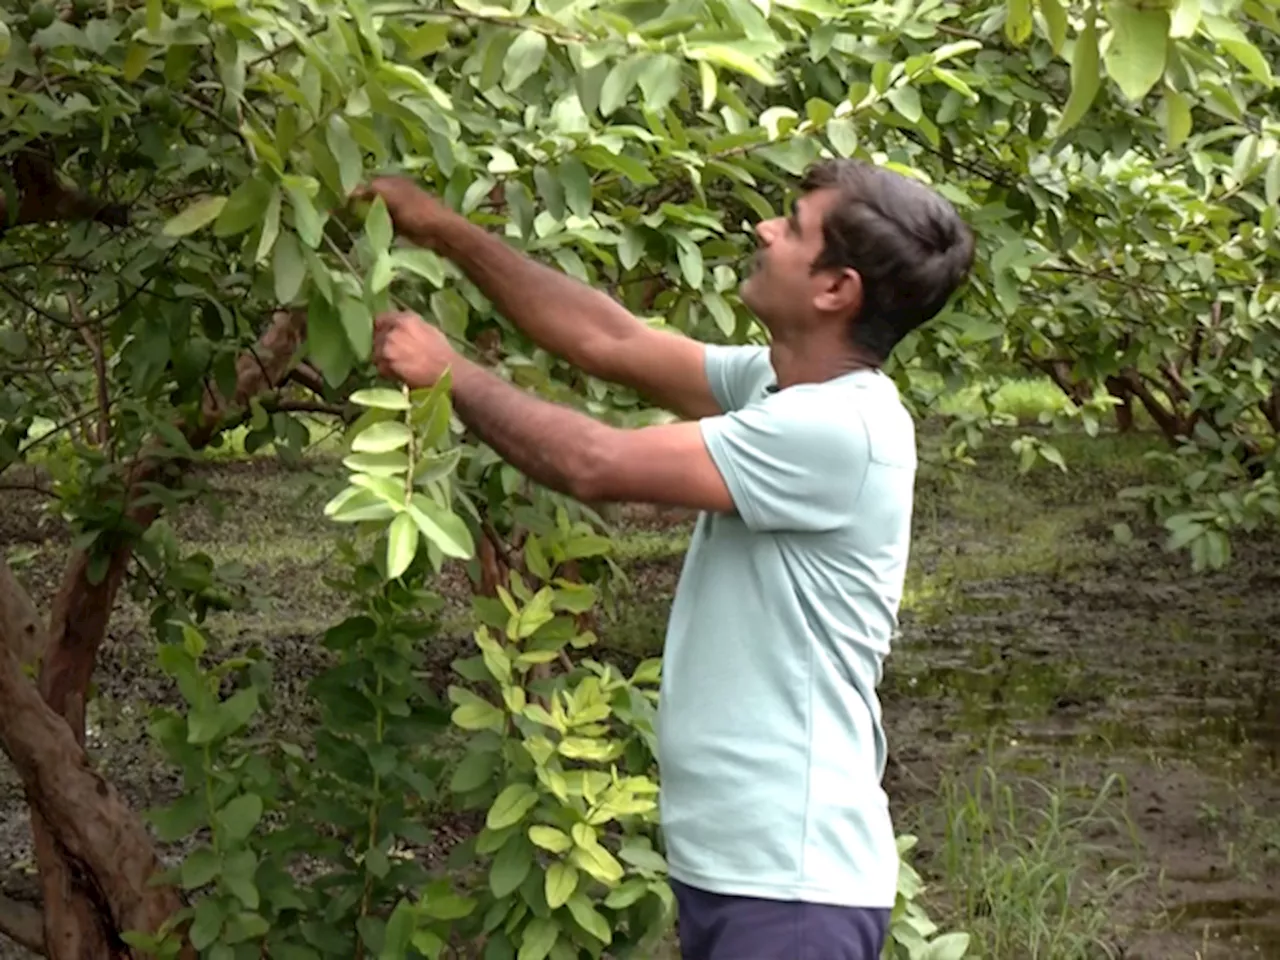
(812, 361)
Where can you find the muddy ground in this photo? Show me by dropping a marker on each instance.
(1084, 735)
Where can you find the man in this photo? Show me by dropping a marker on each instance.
(801, 459)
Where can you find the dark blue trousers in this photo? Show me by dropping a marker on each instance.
(717, 927)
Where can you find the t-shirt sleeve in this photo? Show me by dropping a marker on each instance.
(736, 373)
(790, 463)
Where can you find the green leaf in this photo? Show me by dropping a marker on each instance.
(1085, 75)
(239, 871)
(346, 152)
(660, 78)
(199, 214)
(1273, 180)
(539, 937)
(1055, 20)
(949, 946)
(442, 527)
(327, 342)
(243, 208)
(734, 57)
(1136, 56)
(1186, 19)
(306, 219)
(523, 59)
(561, 881)
(357, 324)
(238, 818)
(511, 806)
(1177, 119)
(402, 544)
(549, 838)
(270, 226)
(622, 77)
(207, 923)
(1017, 23)
(288, 268)
(199, 868)
(382, 437)
(381, 398)
(475, 770)
(906, 100)
(1232, 39)
(377, 225)
(843, 136)
(511, 865)
(474, 713)
(577, 186)
(589, 918)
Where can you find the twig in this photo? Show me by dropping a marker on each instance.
(100, 371)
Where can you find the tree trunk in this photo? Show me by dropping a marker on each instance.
(103, 849)
(95, 857)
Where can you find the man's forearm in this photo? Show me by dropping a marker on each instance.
(551, 444)
(562, 315)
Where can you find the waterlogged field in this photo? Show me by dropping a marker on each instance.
(1084, 734)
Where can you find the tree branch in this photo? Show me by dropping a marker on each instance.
(42, 198)
(95, 857)
(20, 619)
(94, 343)
(22, 923)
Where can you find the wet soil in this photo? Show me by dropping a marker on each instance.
(1038, 657)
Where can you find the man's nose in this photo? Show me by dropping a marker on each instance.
(764, 230)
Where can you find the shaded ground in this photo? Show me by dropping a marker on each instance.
(1084, 735)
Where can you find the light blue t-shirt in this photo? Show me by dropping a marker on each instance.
(771, 749)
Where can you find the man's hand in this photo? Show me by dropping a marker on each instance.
(408, 349)
(415, 214)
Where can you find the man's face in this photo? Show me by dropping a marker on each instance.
(782, 289)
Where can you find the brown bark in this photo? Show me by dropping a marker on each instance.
(1124, 412)
(42, 198)
(103, 843)
(21, 923)
(94, 856)
(1170, 424)
(1059, 372)
(19, 619)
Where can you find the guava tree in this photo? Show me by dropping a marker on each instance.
(178, 258)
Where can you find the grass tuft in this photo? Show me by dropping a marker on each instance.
(1020, 862)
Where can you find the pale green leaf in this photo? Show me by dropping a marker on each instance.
(549, 838)
(1055, 20)
(402, 544)
(1017, 23)
(511, 806)
(381, 398)
(270, 226)
(1135, 58)
(1177, 119)
(523, 59)
(560, 883)
(1186, 19)
(199, 214)
(539, 937)
(288, 268)
(381, 437)
(442, 527)
(1085, 75)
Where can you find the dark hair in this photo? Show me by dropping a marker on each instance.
(906, 241)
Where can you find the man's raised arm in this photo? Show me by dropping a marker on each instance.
(585, 327)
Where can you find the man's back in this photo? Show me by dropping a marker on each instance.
(771, 746)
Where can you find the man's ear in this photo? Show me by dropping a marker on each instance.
(842, 292)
